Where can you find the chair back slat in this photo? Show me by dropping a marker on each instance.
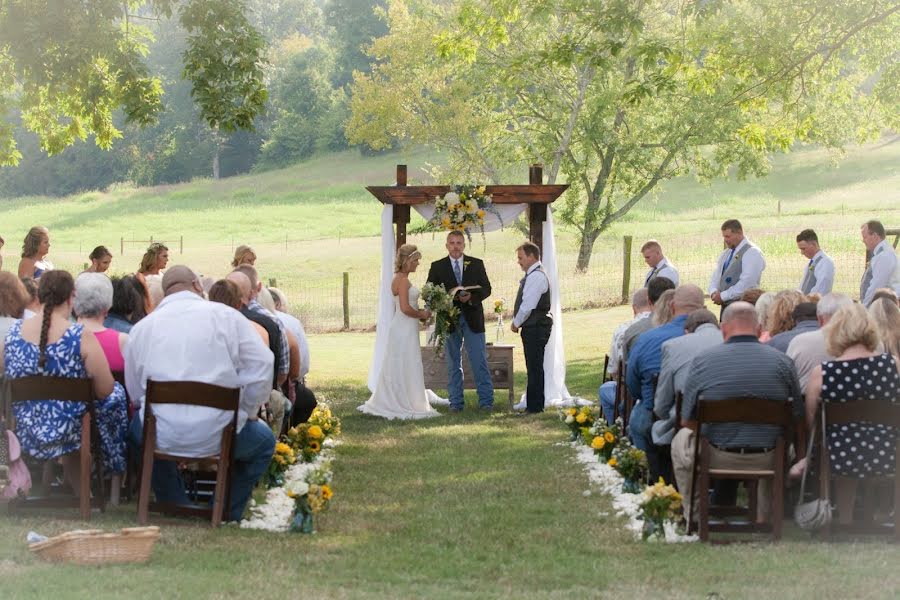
(193, 393)
(44, 387)
(756, 411)
(879, 413)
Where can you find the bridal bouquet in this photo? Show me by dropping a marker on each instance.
(659, 503)
(444, 313)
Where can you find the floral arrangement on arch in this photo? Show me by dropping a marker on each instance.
(461, 209)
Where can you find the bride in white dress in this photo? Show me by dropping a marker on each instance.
(401, 393)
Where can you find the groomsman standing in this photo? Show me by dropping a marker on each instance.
(533, 318)
(883, 270)
(739, 267)
(818, 276)
(659, 264)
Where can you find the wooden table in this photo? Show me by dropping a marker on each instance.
(500, 363)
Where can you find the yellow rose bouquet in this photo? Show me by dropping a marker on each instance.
(282, 458)
(462, 209)
(326, 420)
(604, 438)
(660, 503)
(631, 464)
(578, 420)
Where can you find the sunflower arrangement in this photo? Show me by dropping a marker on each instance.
(604, 438)
(306, 440)
(630, 462)
(283, 458)
(660, 503)
(325, 419)
(311, 496)
(579, 420)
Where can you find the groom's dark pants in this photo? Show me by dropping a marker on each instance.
(534, 341)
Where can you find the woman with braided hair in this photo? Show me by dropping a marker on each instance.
(49, 344)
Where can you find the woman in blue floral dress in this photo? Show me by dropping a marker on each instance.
(49, 344)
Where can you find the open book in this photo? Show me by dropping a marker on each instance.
(463, 288)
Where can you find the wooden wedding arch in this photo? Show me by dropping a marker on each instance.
(536, 195)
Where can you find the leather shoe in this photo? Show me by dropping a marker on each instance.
(456, 409)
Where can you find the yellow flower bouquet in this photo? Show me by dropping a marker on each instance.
(311, 496)
(631, 464)
(462, 209)
(660, 503)
(604, 438)
(282, 458)
(305, 440)
(325, 419)
(578, 420)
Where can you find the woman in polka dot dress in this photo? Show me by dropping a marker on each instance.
(859, 372)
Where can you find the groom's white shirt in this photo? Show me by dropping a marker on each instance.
(535, 287)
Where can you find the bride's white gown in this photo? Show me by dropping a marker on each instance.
(401, 393)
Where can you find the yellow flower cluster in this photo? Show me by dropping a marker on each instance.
(284, 455)
(598, 443)
(318, 497)
(460, 209)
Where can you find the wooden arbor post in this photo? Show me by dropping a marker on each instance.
(536, 195)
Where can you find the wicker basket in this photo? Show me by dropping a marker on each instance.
(96, 547)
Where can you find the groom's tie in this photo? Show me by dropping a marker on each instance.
(456, 271)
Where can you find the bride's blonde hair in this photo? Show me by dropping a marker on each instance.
(405, 254)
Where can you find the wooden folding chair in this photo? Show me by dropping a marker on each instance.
(604, 375)
(189, 393)
(66, 389)
(875, 413)
(750, 411)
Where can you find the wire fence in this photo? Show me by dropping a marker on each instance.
(305, 270)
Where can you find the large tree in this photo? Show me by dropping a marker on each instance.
(66, 67)
(615, 96)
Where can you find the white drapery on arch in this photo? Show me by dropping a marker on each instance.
(555, 392)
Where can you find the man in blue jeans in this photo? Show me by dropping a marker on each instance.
(644, 364)
(466, 274)
(187, 338)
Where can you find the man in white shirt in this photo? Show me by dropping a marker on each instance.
(883, 270)
(533, 318)
(739, 267)
(658, 263)
(818, 276)
(641, 308)
(187, 338)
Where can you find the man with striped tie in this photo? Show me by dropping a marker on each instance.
(818, 276)
(658, 263)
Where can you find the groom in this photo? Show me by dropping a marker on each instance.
(534, 320)
(455, 270)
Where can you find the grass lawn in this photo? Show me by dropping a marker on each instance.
(468, 505)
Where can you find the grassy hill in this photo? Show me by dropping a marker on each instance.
(314, 220)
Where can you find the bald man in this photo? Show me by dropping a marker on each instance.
(187, 338)
(644, 362)
(739, 368)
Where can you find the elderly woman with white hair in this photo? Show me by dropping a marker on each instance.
(93, 299)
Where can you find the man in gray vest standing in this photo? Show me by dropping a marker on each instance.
(883, 269)
(533, 318)
(818, 276)
(739, 267)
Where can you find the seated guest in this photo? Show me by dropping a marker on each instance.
(886, 316)
(266, 300)
(125, 301)
(887, 293)
(781, 313)
(189, 339)
(49, 344)
(762, 306)
(739, 368)
(34, 304)
(644, 364)
(807, 350)
(144, 301)
(302, 398)
(227, 292)
(655, 289)
(34, 251)
(750, 296)
(13, 300)
(804, 318)
(100, 260)
(268, 323)
(244, 255)
(701, 331)
(857, 451)
(640, 308)
(93, 299)
(283, 361)
(662, 309)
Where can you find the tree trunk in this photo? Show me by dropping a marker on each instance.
(216, 161)
(588, 237)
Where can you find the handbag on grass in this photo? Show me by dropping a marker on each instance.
(815, 514)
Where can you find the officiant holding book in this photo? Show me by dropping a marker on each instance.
(457, 270)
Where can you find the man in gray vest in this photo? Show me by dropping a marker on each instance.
(818, 276)
(533, 318)
(658, 263)
(739, 267)
(883, 270)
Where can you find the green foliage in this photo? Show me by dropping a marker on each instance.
(617, 96)
(356, 23)
(67, 67)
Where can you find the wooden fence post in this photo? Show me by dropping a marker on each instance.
(122, 246)
(181, 245)
(346, 297)
(626, 268)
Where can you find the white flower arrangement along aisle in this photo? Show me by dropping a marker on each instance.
(299, 476)
(651, 511)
